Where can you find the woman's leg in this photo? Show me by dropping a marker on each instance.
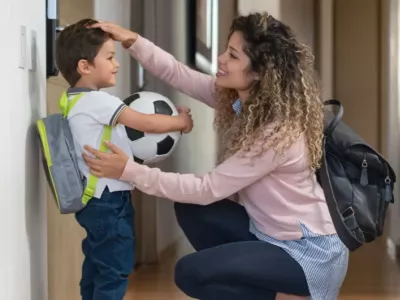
(219, 223)
(243, 270)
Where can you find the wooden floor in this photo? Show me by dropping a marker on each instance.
(371, 276)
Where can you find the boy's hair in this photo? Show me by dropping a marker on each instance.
(77, 42)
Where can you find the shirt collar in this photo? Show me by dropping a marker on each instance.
(78, 90)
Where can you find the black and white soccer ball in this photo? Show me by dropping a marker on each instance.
(150, 148)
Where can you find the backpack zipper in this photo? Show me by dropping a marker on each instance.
(388, 188)
(364, 171)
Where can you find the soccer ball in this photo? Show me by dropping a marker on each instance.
(150, 148)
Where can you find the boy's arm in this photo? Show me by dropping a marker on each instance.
(154, 123)
(110, 110)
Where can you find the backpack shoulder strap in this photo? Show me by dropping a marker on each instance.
(66, 105)
(92, 180)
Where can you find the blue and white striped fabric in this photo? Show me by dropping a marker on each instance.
(237, 106)
(324, 258)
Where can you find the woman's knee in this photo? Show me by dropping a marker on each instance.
(185, 276)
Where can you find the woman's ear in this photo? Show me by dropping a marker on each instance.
(83, 67)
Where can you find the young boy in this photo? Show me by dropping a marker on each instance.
(86, 60)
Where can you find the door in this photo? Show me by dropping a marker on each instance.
(64, 235)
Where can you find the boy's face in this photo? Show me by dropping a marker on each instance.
(104, 70)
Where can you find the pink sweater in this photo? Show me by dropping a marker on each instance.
(277, 192)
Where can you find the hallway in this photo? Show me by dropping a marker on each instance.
(371, 276)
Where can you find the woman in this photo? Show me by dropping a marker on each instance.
(280, 239)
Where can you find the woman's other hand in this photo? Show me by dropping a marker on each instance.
(110, 165)
(118, 33)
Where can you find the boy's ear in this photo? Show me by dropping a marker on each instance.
(83, 67)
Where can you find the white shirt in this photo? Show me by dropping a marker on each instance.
(87, 119)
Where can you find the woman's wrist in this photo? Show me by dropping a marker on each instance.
(129, 171)
(130, 40)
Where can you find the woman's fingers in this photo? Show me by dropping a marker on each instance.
(94, 167)
(95, 152)
(113, 148)
(93, 164)
(97, 25)
(96, 173)
(90, 161)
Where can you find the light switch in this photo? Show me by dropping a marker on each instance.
(33, 51)
(22, 56)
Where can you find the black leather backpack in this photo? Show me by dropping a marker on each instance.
(357, 181)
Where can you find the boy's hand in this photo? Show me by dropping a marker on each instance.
(182, 108)
(187, 121)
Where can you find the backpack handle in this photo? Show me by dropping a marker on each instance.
(331, 127)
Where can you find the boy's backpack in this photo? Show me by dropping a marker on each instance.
(357, 182)
(60, 160)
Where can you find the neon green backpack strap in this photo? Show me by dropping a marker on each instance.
(65, 106)
(92, 180)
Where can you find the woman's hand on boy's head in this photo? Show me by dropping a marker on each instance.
(117, 32)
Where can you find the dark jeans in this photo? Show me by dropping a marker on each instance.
(230, 262)
(109, 247)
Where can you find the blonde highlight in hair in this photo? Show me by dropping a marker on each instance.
(283, 105)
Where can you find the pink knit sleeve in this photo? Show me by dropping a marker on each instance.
(236, 173)
(164, 66)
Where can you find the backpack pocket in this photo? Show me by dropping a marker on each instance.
(46, 158)
(60, 163)
(369, 173)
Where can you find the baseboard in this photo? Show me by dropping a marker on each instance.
(393, 250)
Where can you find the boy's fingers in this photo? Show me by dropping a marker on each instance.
(183, 109)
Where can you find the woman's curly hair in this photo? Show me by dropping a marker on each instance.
(283, 104)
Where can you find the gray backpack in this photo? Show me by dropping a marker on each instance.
(69, 187)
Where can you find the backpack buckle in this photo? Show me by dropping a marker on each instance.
(350, 219)
(348, 213)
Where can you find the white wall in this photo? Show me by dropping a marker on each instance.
(248, 6)
(107, 10)
(23, 221)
